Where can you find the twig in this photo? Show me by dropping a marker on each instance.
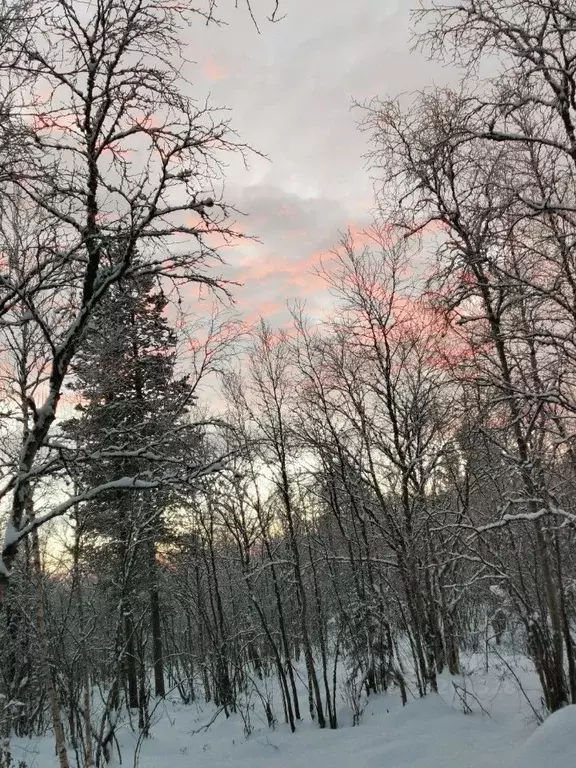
(536, 714)
(212, 721)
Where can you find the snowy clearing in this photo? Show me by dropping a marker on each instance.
(428, 733)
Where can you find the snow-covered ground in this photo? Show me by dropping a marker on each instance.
(501, 730)
(553, 745)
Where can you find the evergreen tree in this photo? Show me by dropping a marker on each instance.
(131, 401)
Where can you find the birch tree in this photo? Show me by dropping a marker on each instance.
(118, 159)
(494, 166)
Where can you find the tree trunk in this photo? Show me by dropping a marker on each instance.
(156, 624)
(60, 742)
(130, 670)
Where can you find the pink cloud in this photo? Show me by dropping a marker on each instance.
(273, 265)
(264, 309)
(213, 70)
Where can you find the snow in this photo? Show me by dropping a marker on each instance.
(11, 535)
(553, 745)
(428, 733)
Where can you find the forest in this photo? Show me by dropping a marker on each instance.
(280, 523)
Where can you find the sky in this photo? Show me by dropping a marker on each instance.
(290, 89)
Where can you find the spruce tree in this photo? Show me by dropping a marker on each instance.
(131, 401)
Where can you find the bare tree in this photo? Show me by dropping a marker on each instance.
(117, 159)
(494, 167)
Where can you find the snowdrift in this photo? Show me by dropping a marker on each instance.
(552, 745)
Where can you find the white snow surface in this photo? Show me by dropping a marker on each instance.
(553, 745)
(428, 733)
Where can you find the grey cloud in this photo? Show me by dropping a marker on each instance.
(290, 90)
